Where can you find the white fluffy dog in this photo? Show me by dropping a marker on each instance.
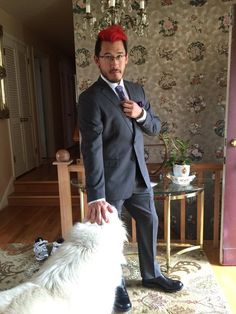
(80, 278)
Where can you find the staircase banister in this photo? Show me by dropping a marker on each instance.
(65, 166)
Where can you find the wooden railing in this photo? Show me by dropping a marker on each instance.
(201, 170)
(65, 167)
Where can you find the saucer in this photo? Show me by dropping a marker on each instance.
(181, 180)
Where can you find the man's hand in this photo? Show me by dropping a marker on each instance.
(97, 211)
(132, 109)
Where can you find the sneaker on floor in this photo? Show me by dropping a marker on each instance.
(40, 249)
(56, 245)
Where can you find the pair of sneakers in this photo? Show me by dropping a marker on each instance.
(41, 250)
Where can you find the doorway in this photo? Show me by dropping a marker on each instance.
(39, 63)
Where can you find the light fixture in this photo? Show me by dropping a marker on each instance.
(131, 15)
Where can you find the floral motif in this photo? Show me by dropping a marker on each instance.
(196, 51)
(194, 128)
(221, 78)
(167, 2)
(82, 57)
(196, 23)
(167, 127)
(140, 80)
(167, 81)
(84, 84)
(221, 102)
(168, 106)
(219, 152)
(165, 53)
(154, 302)
(135, 5)
(196, 104)
(225, 21)
(197, 3)
(203, 76)
(168, 27)
(196, 79)
(79, 6)
(138, 54)
(196, 152)
(203, 292)
(219, 128)
(223, 49)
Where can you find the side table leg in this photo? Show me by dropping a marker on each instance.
(167, 227)
(200, 218)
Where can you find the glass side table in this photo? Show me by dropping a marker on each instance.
(170, 192)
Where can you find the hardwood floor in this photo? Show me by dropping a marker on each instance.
(25, 223)
(226, 275)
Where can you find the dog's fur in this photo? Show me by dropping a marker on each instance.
(80, 278)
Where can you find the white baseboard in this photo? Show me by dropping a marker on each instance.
(9, 189)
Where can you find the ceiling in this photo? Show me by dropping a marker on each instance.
(51, 20)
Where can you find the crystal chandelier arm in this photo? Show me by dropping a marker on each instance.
(88, 8)
(122, 12)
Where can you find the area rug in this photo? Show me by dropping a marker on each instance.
(201, 293)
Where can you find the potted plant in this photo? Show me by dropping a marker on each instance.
(178, 155)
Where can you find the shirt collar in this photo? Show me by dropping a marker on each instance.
(113, 85)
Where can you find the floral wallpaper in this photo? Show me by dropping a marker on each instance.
(182, 64)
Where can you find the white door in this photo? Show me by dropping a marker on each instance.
(20, 106)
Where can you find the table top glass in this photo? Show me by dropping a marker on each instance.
(166, 187)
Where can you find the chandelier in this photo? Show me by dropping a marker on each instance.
(131, 15)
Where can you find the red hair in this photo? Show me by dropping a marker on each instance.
(112, 33)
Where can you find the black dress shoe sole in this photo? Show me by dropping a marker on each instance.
(122, 311)
(156, 286)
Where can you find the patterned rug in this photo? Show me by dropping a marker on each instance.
(201, 293)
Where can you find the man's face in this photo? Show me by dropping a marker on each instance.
(112, 60)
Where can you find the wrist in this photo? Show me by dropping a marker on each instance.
(140, 115)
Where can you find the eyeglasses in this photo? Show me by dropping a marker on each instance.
(110, 58)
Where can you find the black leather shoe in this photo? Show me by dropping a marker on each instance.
(122, 301)
(163, 283)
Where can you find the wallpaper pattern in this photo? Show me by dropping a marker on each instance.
(182, 64)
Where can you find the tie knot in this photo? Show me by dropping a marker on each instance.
(120, 92)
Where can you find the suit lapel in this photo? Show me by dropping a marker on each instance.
(129, 90)
(107, 91)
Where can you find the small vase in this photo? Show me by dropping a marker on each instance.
(181, 170)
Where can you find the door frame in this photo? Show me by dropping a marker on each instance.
(228, 218)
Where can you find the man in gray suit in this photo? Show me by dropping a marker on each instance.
(113, 114)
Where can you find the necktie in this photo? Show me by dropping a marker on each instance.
(120, 92)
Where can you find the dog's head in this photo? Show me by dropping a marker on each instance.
(115, 227)
(107, 237)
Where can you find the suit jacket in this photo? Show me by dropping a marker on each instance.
(111, 145)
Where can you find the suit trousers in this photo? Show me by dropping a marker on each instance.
(141, 207)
